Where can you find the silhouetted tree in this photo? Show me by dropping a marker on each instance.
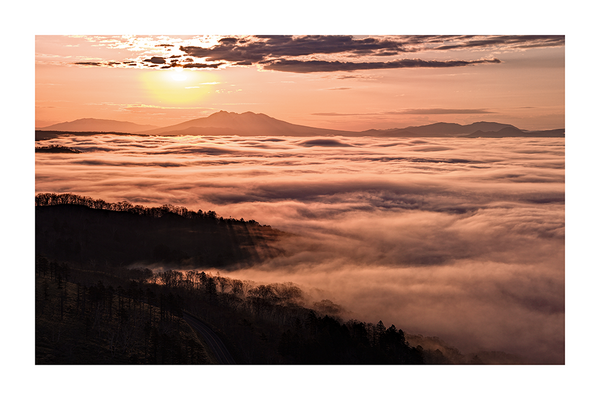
(41, 265)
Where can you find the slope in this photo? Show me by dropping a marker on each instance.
(98, 125)
(245, 124)
(80, 234)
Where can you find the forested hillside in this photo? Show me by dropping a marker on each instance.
(82, 230)
(84, 316)
(83, 323)
(93, 307)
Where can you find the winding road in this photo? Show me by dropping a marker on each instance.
(210, 337)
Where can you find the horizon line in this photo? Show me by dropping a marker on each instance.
(255, 113)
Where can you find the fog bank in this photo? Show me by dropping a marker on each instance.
(457, 238)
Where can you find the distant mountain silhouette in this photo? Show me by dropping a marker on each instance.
(251, 124)
(515, 132)
(441, 129)
(56, 149)
(98, 125)
(225, 123)
(245, 124)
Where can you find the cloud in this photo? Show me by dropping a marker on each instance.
(334, 114)
(319, 53)
(147, 108)
(413, 111)
(282, 53)
(300, 66)
(426, 111)
(164, 164)
(90, 63)
(463, 240)
(260, 48)
(202, 65)
(113, 64)
(325, 142)
(156, 60)
(265, 48)
(502, 42)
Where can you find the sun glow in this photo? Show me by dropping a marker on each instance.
(178, 74)
(177, 86)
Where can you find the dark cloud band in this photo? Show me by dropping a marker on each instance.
(289, 53)
(333, 66)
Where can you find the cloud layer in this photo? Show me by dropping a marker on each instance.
(321, 53)
(457, 238)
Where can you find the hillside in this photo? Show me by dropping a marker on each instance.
(98, 125)
(98, 302)
(515, 132)
(115, 282)
(78, 230)
(81, 324)
(46, 135)
(443, 129)
(56, 149)
(225, 123)
(245, 124)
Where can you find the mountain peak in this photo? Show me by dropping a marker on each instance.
(257, 124)
(98, 125)
(244, 124)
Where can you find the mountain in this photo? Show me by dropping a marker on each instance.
(440, 129)
(250, 124)
(245, 124)
(515, 132)
(225, 123)
(98, 125)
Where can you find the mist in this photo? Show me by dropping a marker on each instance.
(457, 238)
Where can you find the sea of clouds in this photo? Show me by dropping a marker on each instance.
(463, 239)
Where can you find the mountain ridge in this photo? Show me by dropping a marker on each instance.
(96, 125)
(224, 123)
(445, 129)
(244, 124)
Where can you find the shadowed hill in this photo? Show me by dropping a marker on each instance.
(515, 132)
(98, 125)
(81, 230)
(245, 124)
(225, 123)
(56, 149)
(474, 130)
(108, 313)
(442, 129)
(46, 135)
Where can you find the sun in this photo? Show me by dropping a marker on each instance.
(178, 74)
(175, 86)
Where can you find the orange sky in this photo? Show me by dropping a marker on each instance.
(352, 83)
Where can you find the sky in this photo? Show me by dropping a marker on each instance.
(67, 17)
(347, 82)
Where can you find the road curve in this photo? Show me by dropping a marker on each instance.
(210, 337)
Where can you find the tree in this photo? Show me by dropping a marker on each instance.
(211, 288)
(41, 265)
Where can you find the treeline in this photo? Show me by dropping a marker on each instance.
(45, 135)
(260, 324)
(81, 230)
(113, 313)
(78, 322)
(55, 148)
(53, 199)
(273, 324)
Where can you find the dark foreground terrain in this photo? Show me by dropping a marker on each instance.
(97, 304)
(81, 230)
